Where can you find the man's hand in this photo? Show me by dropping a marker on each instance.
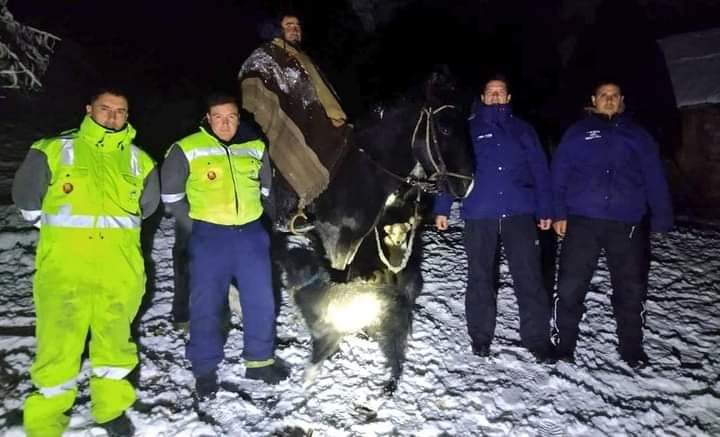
(544, 224)
(441, 222)
(560, 227)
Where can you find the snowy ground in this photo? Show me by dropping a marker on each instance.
(445, 391)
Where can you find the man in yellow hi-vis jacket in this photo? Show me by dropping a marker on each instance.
(216, 179)
(87, 191)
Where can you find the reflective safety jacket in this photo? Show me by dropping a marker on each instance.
(91, 178)
(222, 182)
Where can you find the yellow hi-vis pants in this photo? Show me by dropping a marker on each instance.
(87, 280)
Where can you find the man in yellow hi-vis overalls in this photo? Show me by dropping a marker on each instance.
(87, 191)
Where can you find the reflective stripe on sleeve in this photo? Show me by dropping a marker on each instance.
(172, 198)
(31, 215)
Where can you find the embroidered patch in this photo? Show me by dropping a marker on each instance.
(592, 135)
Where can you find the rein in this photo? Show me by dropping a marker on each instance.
(431, 145)
(428, 184)
(408, 248)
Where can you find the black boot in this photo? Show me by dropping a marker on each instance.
(271, 373)
(120, 426)
(206, 386)
(544, 354)
(481, 349)
(636, 359)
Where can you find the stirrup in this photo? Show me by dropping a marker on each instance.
(306, 227)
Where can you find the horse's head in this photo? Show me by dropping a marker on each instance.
(390, 141)
(441, 142)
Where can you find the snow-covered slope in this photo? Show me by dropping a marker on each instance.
(445, 390)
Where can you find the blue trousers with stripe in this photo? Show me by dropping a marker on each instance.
(219, 255)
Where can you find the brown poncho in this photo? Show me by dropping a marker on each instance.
(298, 112)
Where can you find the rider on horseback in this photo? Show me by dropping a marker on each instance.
(298, 111)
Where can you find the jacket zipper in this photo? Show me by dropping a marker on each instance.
(232, 173)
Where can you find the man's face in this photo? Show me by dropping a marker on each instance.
(224, 120)
(495, 93)
(291, 29)
(608, 100)
(109, 111)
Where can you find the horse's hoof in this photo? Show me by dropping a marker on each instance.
(311, 373)
(390, 387)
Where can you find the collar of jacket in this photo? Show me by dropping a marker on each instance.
(620, 118)
(246, 132)
(106, 139)
(495, 114)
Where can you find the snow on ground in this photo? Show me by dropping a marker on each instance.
(445, 390)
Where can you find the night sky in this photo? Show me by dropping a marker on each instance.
(167, 53)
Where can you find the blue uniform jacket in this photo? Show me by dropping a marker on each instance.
(610, 169)
(511, 170)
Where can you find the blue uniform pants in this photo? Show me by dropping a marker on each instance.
(218, 255)
(626, 249)
(519, 236)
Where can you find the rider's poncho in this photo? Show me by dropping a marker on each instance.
(298, 112)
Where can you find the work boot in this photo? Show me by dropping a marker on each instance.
(120, 426)
(206, 386)
(271, 373)
(544, 354)
(637, 359)
(568, 357)
(481, 349)
(183, 327)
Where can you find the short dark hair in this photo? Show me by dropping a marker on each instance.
(497, 77)
(216, 99)
(287, 13)
(115, 91)
(605, 81)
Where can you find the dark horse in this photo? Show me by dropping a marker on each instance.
(407, 142)
(366, 223)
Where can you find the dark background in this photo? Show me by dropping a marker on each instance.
(168, 54)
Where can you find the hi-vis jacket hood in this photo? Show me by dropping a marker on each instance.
(94, 133)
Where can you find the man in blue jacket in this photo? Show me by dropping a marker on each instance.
(607, 175)
(510, 199)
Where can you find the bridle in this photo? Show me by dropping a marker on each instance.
(427, 184)
(423, 183)
(432, 148)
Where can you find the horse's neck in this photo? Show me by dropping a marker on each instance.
(389, 139)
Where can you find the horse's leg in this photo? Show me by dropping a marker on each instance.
(393, 340)
(325, 343)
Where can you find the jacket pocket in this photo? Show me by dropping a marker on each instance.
(129, 190)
